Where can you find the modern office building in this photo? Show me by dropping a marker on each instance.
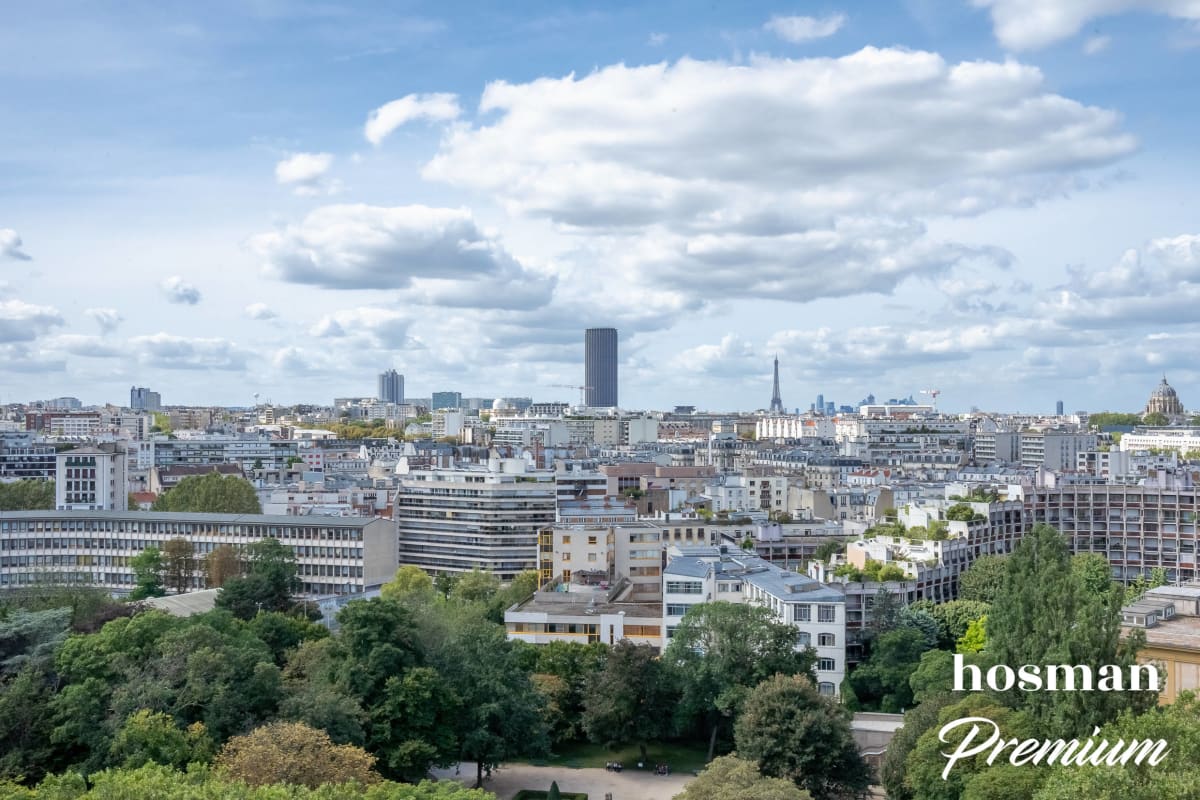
(334, 555)
(446, 400)
(473, 516)
(600, 367)
(391, 387)
(142, 399)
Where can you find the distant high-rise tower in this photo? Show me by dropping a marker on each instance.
(1058, 408)
(142, 399)
(600, 367)
(776, 400)
(391, 387)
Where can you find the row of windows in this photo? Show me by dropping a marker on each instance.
(178, 528)
(803, 613)
(685, 587)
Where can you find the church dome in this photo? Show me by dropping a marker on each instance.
(1164, 400)
(1164, 389)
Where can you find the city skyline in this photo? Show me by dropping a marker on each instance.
(277, 200)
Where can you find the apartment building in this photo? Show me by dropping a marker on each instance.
(707, 574)
(1179, 440)
(473, 516)
(22, 456)
(91, 478)
(1137, 528)
(334, 555)
(1054, 449)
(993, 447)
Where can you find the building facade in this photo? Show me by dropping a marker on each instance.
(334, 556)
(90, 479)
(391, 387)
(600, 367)
(475, 516)
(142, 399)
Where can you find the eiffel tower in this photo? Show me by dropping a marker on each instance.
(776, 402)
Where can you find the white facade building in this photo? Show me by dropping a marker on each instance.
(707, 574)
(90, 479)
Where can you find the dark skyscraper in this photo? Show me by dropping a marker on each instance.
(391, 387)
(776, 400)
(600, 367)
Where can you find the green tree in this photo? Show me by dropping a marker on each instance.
(925, 762)
(827, 550)
(268, 584)
(961, 512)
(733, 778)
(26, 495)
(975, 639)
(883, 681)
(500, 715)
(721, 651)
(1094, 572)
(554, 793)
(409, 580)
(1156, 419)
(893, 773)
(1045, 613)
(631, 700)
(212, 493)
(982, 580)
(1176, 778)
(179, 564)
(885, 613)
(148, 574)
(149, 736)
(792, 732)
(954, 617)
(475, 586)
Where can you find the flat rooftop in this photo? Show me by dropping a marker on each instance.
(1181, 633)
(573, 609)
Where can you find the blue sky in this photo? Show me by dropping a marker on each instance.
(994, 198)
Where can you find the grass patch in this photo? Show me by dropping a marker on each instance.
(680, 756)
(539, 794)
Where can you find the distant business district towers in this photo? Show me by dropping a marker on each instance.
(391, 387)
(600, 367)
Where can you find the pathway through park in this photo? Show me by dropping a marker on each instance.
(629, 784)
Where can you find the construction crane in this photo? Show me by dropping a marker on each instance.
(933, 394)
(583, 390)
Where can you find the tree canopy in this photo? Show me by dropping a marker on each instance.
(792, 732)
(26, 495)
(982, 580)
(721, 651)
(292, 752)
(733, 778)
(211, 493)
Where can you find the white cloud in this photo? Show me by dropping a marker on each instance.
(731, 356)
(1032, 24)
(260, 311)
(304, 172)
(375, 326)
(1158, 285)
(1096, 44)
(381, 122)
(805, 29)
(178, 290)
(24, 322)
(107, 318)
(780, 178)
(375, 247)
(168, 351)
(657, 39)
(86, 346)
(10, 245)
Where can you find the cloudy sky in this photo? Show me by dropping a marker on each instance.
(995, 198)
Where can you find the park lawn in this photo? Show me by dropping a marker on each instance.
(681, 757)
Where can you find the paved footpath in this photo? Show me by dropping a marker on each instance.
(629, 784)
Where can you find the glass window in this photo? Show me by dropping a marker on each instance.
(802, 613)
(826, 665)
(826, 613)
